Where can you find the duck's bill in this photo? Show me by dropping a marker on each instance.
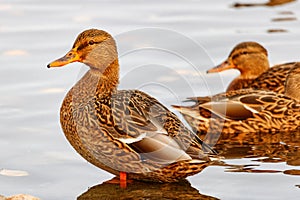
(223, 66)
(70, 57)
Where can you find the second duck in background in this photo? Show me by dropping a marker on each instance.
(251, 59)
(246, 111)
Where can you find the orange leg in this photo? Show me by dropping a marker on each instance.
(123, 179)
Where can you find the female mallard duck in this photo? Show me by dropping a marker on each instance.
(246, 111)
(124, 131)
(251, 59)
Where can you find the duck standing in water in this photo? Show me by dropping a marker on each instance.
(251, 59)
(125, 132)
(244, 111)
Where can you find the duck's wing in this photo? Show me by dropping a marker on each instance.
(157, 147)
(146, 125)
(234, 94)
(227, 110)
(235, 105)
(198, 100)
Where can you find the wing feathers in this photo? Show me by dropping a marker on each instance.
(160, 148)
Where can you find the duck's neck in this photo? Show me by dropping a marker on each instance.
(255, 68)
(97, 83)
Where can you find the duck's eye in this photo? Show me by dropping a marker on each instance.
(91, 42)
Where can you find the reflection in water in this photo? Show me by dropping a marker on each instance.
(265, 148)
(276, 30)
(286, 13)
(292, 172)
(281, 19)
(143, 190)
(288, 16)
(270, 3)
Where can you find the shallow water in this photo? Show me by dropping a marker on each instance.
(188, 38)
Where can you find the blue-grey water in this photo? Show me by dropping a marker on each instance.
(186, 38)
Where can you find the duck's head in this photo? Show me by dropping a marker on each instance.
(250, 58)
(95, 48)
(292, 83)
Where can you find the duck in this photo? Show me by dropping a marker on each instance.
(238, 114)
(125, 132)
(251, 59)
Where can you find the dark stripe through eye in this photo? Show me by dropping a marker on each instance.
(82, 46)
(91, 42)
(242, 53)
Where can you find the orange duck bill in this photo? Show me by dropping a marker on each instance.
(221, 67)
(71, 56)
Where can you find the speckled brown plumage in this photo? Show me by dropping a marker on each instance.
(251, 59)
(124, 130)
(239, 112)
(273, 79)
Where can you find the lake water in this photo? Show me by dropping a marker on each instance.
(165, 49)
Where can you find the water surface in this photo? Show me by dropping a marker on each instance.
(33, 33)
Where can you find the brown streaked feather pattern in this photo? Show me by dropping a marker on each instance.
(270, 112)
(97, 124)
(273, 79)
